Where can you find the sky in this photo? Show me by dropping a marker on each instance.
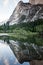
(7, 7)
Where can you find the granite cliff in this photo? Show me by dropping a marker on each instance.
(26, 12)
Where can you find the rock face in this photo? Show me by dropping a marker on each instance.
(20, 13)
(25, 12)
(36, 62)
(36, 1)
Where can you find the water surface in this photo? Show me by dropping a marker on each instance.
(7, 56)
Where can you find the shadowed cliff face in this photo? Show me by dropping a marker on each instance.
(25, 12)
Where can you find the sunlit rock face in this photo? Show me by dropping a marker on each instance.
(36, 1)
(26, 12)
(20, 13)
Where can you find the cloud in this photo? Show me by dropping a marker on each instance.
(3, 17)
(5, 61)
(16, 61)
(15, 2)
(5, 2)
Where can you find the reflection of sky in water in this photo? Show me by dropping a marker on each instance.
(7, 57)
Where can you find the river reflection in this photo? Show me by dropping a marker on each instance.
(7, 57)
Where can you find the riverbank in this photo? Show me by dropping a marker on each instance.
(29, 37)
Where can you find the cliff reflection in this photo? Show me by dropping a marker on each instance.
(23, 51)
(7, 54)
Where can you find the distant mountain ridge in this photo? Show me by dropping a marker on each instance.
(25, 12)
